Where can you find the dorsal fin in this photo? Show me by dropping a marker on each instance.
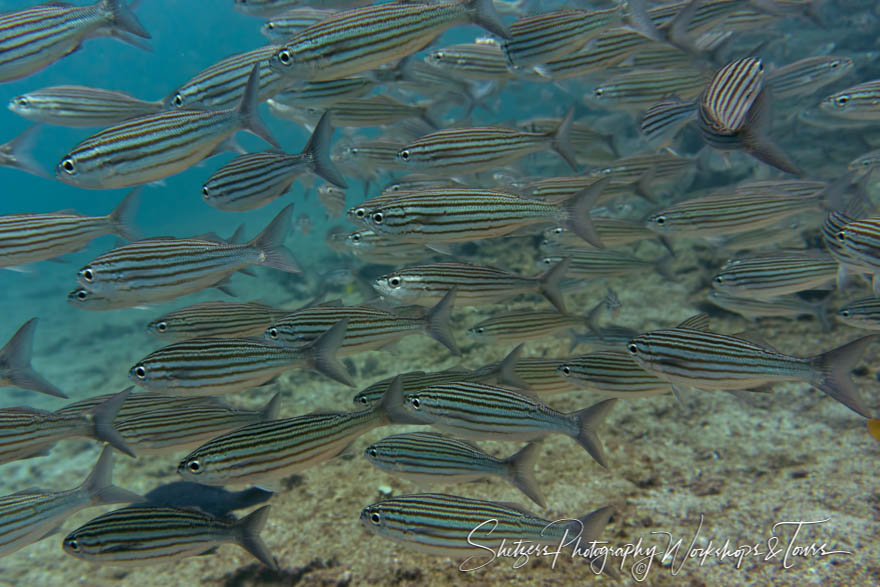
(698, 322)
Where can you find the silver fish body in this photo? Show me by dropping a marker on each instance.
(216, 319)
(80, 106)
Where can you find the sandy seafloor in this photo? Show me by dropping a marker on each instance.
(739, 466)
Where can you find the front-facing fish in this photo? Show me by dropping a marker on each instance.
(153, 147)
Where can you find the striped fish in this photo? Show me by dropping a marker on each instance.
(706, 360)
(614, 373)
(427, 458)
(326, 92)
(474, 285)
(358, 40)
(165, 431)
(473, 529)
(860, 102)
(374, 247)
(807, 75)
(369, 111)
(613, 232)
(166, 268)
(477, 410)
(28, 238)
(863, 313)
(666, 117)
(534, 374)
(332, 198)
(368, 328)
(17, 153)
(522, 326)
(446, 215)
(275, 7)
(477, 61)
(363, 158)
(769, 276)
(643, 87)
(865, 163)
(153, 535)
(543, 37)
(217, 319)
(860, 241)
(781, 306)
(29, 516)
(592, 263)
(466, 150)
(213, 366)
(609, 49)
(609, 337)
(137, 404)
(15, 363)
(80, 106)
(410, 382)
(28, 432)
(291, 22)
(253, 180)
(279, 448)
(153, 147)
(36, 37)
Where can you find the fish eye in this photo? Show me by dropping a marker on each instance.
(394, 281)
(558, 230)
(844, 313)
(177, 100)
(161, 326)
(599, 92)
(272, 333)
(362, 399)
(81, 294)
(68, 166)
(356, 237)
(194, 467)
(842, 100)
(841, 236)
(480, 330)
(360, 212)
(661, 220)
(378, 217)
(416, 403)
(140, 372)
(374, 452)
(376, 518)
(205, 191)
(72, 544)
(22, 101)
(404, 154)
(284, 57)
(88, 275)
(566, 370)
(632, 348)
(270, 25)
(834, 64)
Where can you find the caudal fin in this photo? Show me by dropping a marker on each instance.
(392, 404)
(507, 375)
(576, 212)
(122, 217)
(247, 108)
(522, 472)
(103, 416)
(122, 19)
(757, 141)
(548, 284)
(483, 13)
(270, 410)
(99, 487)
(832, 371)
(317, 150)
(20, 152)
(15, 362)
(561, 137)
(588, 420)
(438, 326)
(271, 243)
(249, 528)
(324, 349)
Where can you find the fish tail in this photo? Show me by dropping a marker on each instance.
(324, 349)
(507, 375)
(587, 420)
(122, 19)
(576, 212)
(759, 144)
(589, 528)
(16, 357)
(832, 369)
(522, 472)
(249, 528)
(483, 14)
(247, 109)
(391, 404)
(438, 326)
(122, 217)
(548, 284)
(102, 422)
(270, 410)
(561, 139)
(99, 487)
(271, 243)
(317, 150)
(22, 148)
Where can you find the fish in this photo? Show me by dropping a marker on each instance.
(770, 275)
(864, 313)
(474, 285)
(783, 306)
(611, 337)
(275, 7)
(138, 404)
(159, 269)
(466, 150)
(15, 363)
(806, 76)
(290, 22)
(253, 180)
(859, 240)
(367, 328)
(361, 39)
(80, 106)
(325, 93)
(153, 147)
(614, 373)
(706, 360)
(29, 432)
(333, 199)
(481, 411)
(409, 382)
(613, 232)
(18, 152)
(474, 529)
(427, 458)
(31, 515)
(593, 264)
(860, 102)
(476, 61)
(145, 534)
(213, 366)
(865, 163)
(644, 87)
(525, 325)
(215, 501)
(28, 238)
(379, 248)
(367, 111)
(279, 448)
(447, 215)
(532, 374)
(34, 38)
(175, 429)
(216, 319)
